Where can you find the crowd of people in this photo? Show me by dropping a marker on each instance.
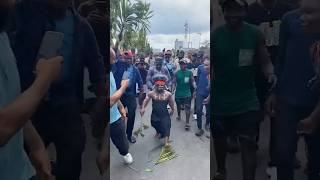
(265, 66)
(136, 79)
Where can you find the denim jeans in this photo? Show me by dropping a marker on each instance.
(199, 108)
(288, 117)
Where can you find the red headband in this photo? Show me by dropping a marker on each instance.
(160, 82)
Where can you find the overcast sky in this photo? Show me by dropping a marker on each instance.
(169, 18)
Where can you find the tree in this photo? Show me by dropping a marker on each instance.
(130, 21)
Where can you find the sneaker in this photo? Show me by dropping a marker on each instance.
(199, 132)
(207, 127)
(271, 172)
(128, 159)
(195, 116)
(132, 139)
(220, 176)
(208, 135)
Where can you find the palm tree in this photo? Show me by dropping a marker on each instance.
(128, 19)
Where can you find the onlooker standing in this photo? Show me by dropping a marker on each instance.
(58, 118)
(267, 15)
(294, 100)
(311, 25)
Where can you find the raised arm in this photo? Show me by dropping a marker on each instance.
(15, 115)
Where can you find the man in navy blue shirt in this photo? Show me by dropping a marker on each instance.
(129, 97)
(292, 99)
(311, 25)
(58, 118)
(267, 14)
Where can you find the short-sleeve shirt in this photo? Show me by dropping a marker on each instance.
(114, 111)
(233, 86)
(14, 162)
(183, 84)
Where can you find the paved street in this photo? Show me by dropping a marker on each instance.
(233, 164)
(193, 162)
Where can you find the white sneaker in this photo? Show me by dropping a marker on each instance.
(195, 117)
(272, 173)
(128, 159)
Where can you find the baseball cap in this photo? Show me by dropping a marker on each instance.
(127, 54)
(183, 61)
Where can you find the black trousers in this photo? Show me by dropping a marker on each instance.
(118, 136)
(64, 127)
(245, 126)
(131, 104)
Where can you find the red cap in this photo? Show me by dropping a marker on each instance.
(127, 54)
(160, 82)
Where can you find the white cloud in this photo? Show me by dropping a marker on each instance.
(171, 15)
(169, 18)
(160, 41)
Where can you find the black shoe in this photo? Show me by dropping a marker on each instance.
(220, 176)
(296, 163)
(132, 139)
(233, 145)
(199, 132)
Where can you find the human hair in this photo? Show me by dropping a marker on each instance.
(234, 5)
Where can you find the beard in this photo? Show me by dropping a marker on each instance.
(5, 14)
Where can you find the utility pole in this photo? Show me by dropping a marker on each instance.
(200, 39)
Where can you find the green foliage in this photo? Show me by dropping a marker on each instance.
(130, 23)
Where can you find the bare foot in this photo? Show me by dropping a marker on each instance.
(157, 135)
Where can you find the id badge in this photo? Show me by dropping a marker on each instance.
(246, 57)
(186, 80)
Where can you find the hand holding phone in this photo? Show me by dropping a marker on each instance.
(49, 69)
(51, 45)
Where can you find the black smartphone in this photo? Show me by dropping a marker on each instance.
(51, 45)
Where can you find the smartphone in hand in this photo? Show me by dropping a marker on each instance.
(51, 45)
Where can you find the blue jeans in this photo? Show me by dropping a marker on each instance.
(288, 117)
(199, 108)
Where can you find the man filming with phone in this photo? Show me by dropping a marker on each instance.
(16, 110)
(58, 118)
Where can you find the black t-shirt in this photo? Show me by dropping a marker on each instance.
(269, 21)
